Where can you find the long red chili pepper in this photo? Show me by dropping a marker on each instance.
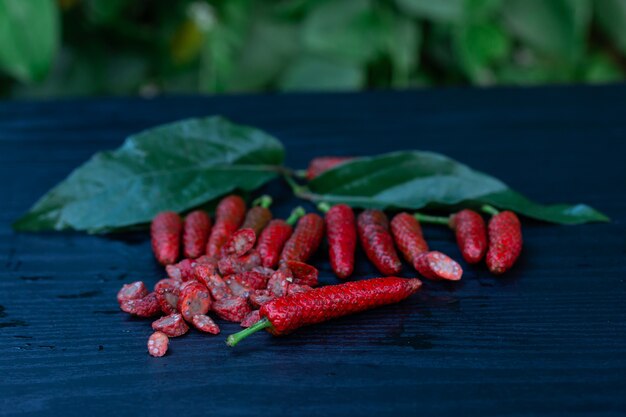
(259, 215)
(305, 240)
(407, 233)
(319, 165)
(341, 234)
(285, 314)
(165, 230)
(229, 215)
(505, 240)
(377, 242)
(470, 230)
(273, 237)
(196, 233)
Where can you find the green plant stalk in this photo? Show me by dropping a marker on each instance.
(425, 218)
(489, 209)
(235, 338)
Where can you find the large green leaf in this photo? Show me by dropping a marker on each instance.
(413, 179)
(176, 166)
(29, 37)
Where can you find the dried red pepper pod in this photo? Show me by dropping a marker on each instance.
(229, 214)
(373, 228)
(505, 240)
(407, 233)
(341, 234)
(196, 232)
(165, 230)
(286, 314)
(470, 231)
(172, 325)
(305, 239)
(273, 238)
(259, 215)
(319, 165)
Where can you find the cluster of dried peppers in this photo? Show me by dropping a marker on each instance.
(251, 269)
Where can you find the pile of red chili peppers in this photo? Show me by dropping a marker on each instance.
(251, 269)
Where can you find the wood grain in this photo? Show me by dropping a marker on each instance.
(547, 339)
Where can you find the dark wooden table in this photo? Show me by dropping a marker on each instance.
(547, 339)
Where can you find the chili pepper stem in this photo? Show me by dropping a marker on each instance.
(235, 338)
(489, 209)
(300, 173)
(323, 207)
(264, 201)
(425, 218)
(295, 215)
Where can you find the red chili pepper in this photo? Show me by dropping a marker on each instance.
(505, 240)
(196, 234)
(377, 242)
(229, 214)
(305, 240)
(470, 230)
(259, 215)
(165, 230)
(318, 166)
(341, 235)
(285, 314)
(407, 233)
(273, 238)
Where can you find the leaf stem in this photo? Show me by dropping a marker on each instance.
(295, 187)
(323, 207)
(295, 215)
(489, 209)
(235, 338)
(264, 201)
(425, 218)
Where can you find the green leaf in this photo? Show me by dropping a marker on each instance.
(176, 166)
(440, 10)
(414, 179)
(611, 16)
(29, 37)
(554, 27)
(318, 73)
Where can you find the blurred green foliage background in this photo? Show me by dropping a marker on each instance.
(51, 48)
